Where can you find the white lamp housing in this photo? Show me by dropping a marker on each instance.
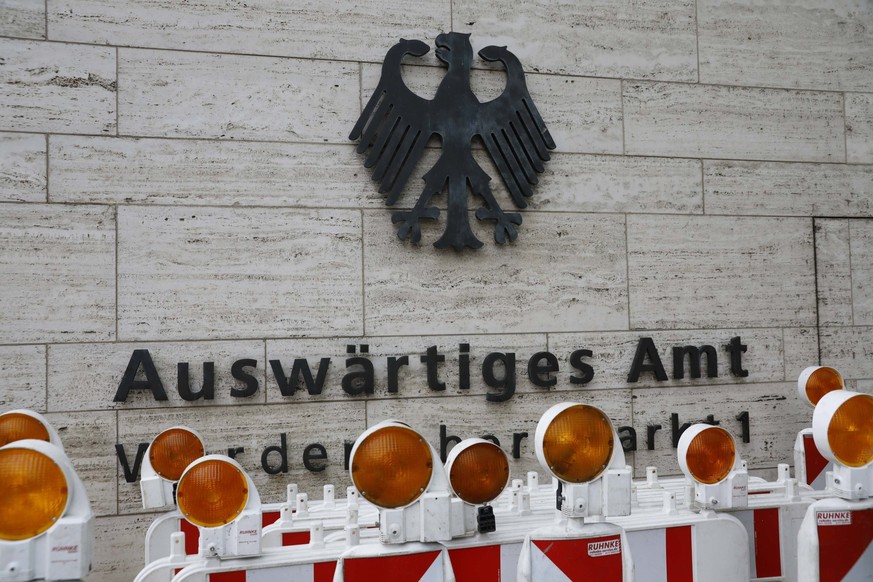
(804, 378)
(432, 517)
(64, 551)
(846, 482)
(730, 491)
(607, 495)
(239, 537)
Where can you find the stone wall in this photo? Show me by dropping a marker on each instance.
(177, 177)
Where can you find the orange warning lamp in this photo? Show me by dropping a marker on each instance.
(17, 425)
(173, 450)
(816, 381)
(478, 470)
(577, 443)
(708, 455)
(167, 457)
(35, 493)
(217, 495)
(391, 465)
(46, 523)
(213, 493)
(842, 426)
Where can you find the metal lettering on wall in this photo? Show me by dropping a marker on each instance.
(396, 125)
(499, 372)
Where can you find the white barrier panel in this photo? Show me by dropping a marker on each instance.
(835, 542)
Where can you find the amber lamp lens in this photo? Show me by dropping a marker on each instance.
(392, 467)
(821, 382)
(479, 473)
(711, 455)
(850, 432)
(33, 493)
(15, 426)
(212, 493)
(578, 444)
(173, 450)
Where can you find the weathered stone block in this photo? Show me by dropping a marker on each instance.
(22, 168)
(670, 119)
(653, 39)
(23, 372)
(834, 272)
(213, 273)
(566, 272)
(58, 269)
(344, 29)
(861, 245)
(178, 94)
(55, 87)
(23, 18)
(781, 189)
(711, 272)
(208, 172)
(859, 128)
(783, 43)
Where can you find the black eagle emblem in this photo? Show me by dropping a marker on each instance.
(396, 125)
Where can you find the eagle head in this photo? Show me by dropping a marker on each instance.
(454, 48)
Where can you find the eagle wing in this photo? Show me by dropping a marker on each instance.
(395, 125)
(513, 130)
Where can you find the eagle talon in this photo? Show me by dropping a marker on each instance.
(504, 229)
(411, 226)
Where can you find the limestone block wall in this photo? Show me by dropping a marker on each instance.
(177, 178)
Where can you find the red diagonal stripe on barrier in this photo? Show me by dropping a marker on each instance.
(768, 554)
(476, 564)
(575, 560)
(680, 567)
(402, 568)
(840, 546)
(815, 462)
